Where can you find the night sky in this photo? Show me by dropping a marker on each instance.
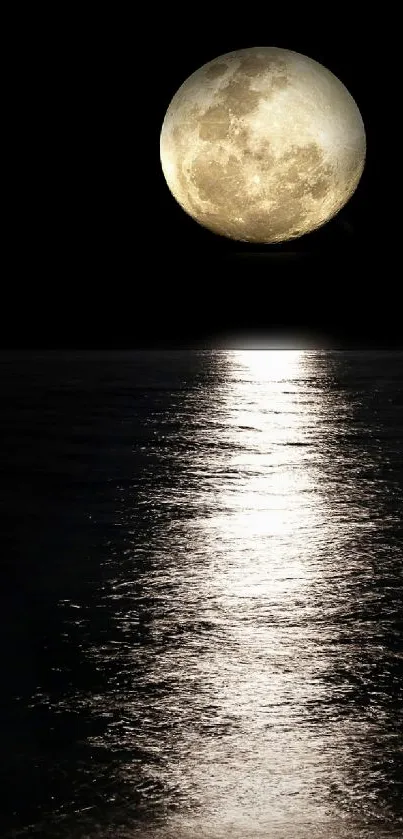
(103, 256)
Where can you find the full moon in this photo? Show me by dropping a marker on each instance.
(262, 145)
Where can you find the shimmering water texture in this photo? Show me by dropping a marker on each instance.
(208, 642)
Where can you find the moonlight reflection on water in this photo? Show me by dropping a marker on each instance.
(238, 630)
(261, 668)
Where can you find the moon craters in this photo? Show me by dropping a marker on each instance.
(262, 145)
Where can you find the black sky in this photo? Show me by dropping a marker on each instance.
(101, 253)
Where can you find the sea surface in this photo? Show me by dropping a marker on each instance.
(202, 594)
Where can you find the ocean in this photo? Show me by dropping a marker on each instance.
(202, 594)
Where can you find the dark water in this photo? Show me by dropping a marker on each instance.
(201, 600)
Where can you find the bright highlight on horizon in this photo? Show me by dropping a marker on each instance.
(269, 341)
(262, 145)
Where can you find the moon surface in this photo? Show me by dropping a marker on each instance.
(262, 145)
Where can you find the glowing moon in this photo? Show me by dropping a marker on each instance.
(262, 145)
